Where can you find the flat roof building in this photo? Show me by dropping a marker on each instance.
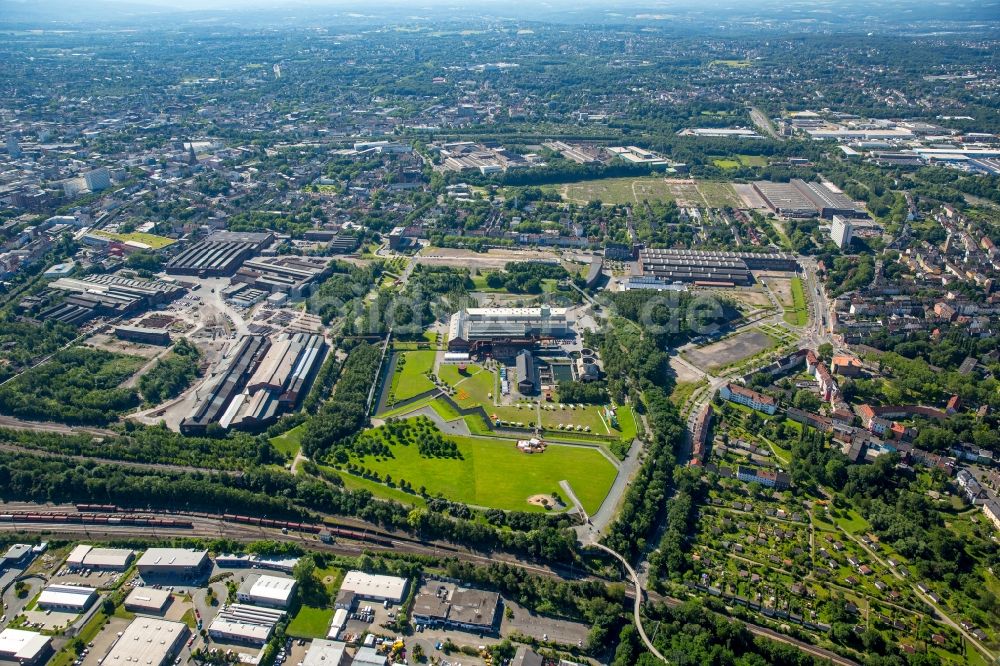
(104, 559)
(147, 600)
(798, 198)
(375, 587)
(172, 561)
(24, 647)
(147, 641)
(68, 598)
(326, 653)
(268, 591)
(369, 656)
(241, 623)
(443, 604)
(841, 231)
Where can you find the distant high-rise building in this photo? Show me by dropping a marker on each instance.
(13, 148)
(841, 231)
(98, 179)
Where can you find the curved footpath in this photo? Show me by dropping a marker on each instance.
(636, 609)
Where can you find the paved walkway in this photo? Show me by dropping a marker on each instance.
(637, 608)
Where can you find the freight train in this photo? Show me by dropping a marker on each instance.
(130, 520)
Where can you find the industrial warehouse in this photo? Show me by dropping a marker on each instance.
(218, 255)
(801, 199)
(497, 329)
(710, 268)
(267, 591)
(24, 647)
(259, 380)
(68, 598)
(108, 296)
(241, 623)
(148, 641)
(172, 562)
(109, 559)
(290, 275)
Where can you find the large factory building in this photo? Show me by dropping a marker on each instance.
(475, 329)
(260, 380)
(710, 268)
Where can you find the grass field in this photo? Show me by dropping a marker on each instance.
(615, 190)
(310, 622)
(289, 442)
(730, 63)
(493, 473)
(752, 160)
(719, 195)
(152, 240)
(726, 164)
(798, 314)
(410, 377)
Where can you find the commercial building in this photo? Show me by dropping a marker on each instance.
(375, 587)
(18, 555)
(245, 624)
(24, 647)
(147, 336)
(267, 591)
(172, 562)
(526, 374)
(148, 600)
(67, 598)
(841, 231)
(147, 641)
(107, 296)
(326, 653)
(636, 155)
(97, 179)
(752, 399)
(105, 559)
(446, 605)
(473, 329)
(801, 199)
(219, 254)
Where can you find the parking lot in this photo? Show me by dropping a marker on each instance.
(542, 628)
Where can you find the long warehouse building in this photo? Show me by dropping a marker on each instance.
(710, 267)
(801, 199)
(107, 295)
(280, 380)
(241, 363)
(261, 380)
(290, 275)
(219, 254)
